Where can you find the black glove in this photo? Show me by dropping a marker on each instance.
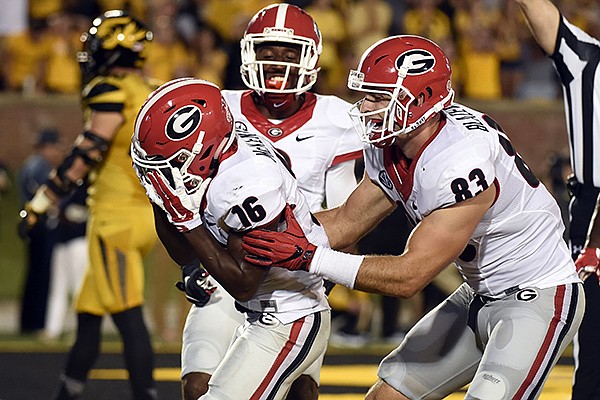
(30, 221)
(573, 185)
(34, 211)
(196, 284)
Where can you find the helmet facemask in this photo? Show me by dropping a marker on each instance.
(253, 70)
(180, 165)
(380, 127)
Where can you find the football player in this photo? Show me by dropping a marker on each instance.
(120, 230)
(280, 52)
(474, 202)
(201, 171)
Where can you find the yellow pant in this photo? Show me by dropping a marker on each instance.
(118, 242)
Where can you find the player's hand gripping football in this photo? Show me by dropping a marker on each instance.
(196, 284)
(289, 249)
(182, 209)
(587, 263)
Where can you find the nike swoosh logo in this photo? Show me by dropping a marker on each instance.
(301, 138)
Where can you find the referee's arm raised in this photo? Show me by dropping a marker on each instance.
(543, 19)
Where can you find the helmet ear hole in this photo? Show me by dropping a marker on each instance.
(207, 153)
(420, 100)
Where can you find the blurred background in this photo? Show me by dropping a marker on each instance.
(497, 68)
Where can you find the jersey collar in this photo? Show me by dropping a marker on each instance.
(276, 132)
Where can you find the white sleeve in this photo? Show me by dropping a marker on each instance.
(340, 181)
(255, 211)
(243, 202)
(463, 170)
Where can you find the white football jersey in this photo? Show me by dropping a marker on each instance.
(519, 241)
(317, 138)
(251, 188)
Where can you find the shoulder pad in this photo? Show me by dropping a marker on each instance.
(104, 94)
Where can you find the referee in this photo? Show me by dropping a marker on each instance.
(576, 56)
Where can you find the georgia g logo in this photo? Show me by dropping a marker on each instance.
(417, 61)
(183, 122)
(528, 294)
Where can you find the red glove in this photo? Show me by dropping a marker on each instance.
(587, 263)
(289, 249)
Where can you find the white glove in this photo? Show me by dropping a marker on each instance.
(182, 209)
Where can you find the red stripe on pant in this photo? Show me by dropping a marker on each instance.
(538, 362)
(285, 351)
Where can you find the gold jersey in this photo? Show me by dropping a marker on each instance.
(120, 230)
(114, 184)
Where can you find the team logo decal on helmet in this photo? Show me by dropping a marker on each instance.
(183, 123)
(416, 61)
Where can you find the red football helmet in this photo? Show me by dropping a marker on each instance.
(283, 24)
(186, 125)
(414, 72)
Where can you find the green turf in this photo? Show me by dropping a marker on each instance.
(12, 248)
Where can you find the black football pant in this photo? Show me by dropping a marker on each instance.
(137, 350)
(37, 280)
(586, 385)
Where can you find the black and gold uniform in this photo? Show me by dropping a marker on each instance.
(121, 228)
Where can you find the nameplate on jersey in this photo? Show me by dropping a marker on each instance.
(257, 146)
(465, 118)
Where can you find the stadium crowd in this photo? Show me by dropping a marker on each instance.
(493, 54)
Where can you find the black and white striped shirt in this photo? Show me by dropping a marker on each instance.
(577, 60)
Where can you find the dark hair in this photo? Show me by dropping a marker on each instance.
(47, 136)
